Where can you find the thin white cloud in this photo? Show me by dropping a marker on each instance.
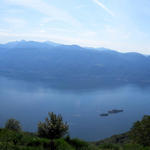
(47, 9)
(15, 21)
(104, 7)
(44, 36)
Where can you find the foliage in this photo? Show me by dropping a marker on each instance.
(140, 132)
(109, 146)
(134, 147)
(9, 136)
(78, 144)
(53, 127)
(92, 147)
(27, 141)
(115, 139)
(13, 124)
(61, 144)
(13, 140)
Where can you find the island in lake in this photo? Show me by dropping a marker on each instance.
(113, 111)
(104, 115)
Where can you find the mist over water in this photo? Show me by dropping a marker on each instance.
(30, 102)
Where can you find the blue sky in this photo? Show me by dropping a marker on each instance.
(123, 25)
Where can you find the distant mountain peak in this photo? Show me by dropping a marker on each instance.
(49, 44)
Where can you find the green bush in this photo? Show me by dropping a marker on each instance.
(134, 147)
(92, 147)
(53, 128)
(78, 144)
(13, 124)
(10, 136)
(140, 132)
(61, 144)
(109, 146)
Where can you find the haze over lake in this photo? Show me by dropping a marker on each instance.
(30, 102)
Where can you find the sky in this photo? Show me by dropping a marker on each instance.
(122, 25)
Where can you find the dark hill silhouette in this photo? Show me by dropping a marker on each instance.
(72, 64)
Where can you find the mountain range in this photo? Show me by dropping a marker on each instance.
(72, 65)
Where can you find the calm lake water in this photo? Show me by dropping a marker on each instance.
(29, 103)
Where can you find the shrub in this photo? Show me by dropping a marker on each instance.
(140, 132)
(133, 147)
(53, 127)
(13, 124)
(109, 146)
(61, 144)
(78, 144)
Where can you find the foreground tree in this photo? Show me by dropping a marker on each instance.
(140, 132)
(52, 128)
(13, 124)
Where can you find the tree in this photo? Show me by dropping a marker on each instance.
(140, 132)
(13, 124)
(52, 128)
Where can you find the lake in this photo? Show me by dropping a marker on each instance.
(30, 102)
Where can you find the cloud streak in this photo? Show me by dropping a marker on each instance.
(104, 7)
(47, 9)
